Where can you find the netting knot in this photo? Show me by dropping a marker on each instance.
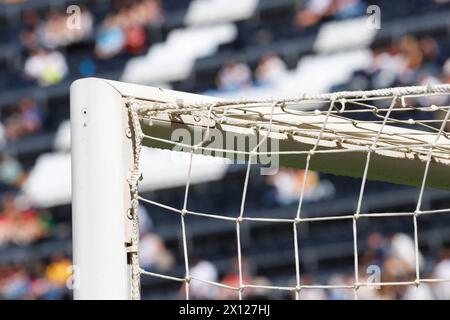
(134, 204)
(343, 102)
(134, 177)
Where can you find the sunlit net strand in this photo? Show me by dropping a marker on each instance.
(296, 288)
(250, 113)
(298, 108)
(347, 136)
(407, 148)
(412, 91)
(246, 115)
(375, 137)
(388, 144)
(239, 116)
(298, 220)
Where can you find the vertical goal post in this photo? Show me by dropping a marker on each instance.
(107, 117)
(102, 157)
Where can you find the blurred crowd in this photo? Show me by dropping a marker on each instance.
(24, 119)
(45, 38)
(410, 61)
(50, 280)
(392, 256)
(21, 224)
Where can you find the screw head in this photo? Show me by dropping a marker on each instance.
(128, 132)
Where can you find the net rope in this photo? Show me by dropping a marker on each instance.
(323, 118)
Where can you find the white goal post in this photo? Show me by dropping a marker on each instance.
(110, 121)
(102, 157)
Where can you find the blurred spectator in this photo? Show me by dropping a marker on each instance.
(311, 294)
(145, 221)
(135, 39)
(146, 12)
(204, 270)
(388, 66)
(288, 185)
(422, 292)
(35, 281)
(31, 18)
(21, 224)
(58, 271)
(14, 283)
(153, 253)
(126, 29)
(315, 11)
(431, 52)
(402, 247)
(345, 9)
(13, 126)
(11, 173)
(376, 249)
(340, 294)
(270, 69)
(232, 279)
(110, 40)
(395, 270)
(55, 32)
(26, 119)
(234, 76)
(260, 293)
(31, 116)
(442, 271)
(409, 48)
(47, 67)
(28, 37)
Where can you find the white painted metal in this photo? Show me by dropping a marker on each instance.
(99, 169)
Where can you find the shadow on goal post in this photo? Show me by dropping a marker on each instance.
(345, 133)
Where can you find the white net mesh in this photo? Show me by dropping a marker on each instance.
(409, 125)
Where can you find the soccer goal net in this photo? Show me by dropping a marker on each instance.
(397, 135)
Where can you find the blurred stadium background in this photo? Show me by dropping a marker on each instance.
(227, 48)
